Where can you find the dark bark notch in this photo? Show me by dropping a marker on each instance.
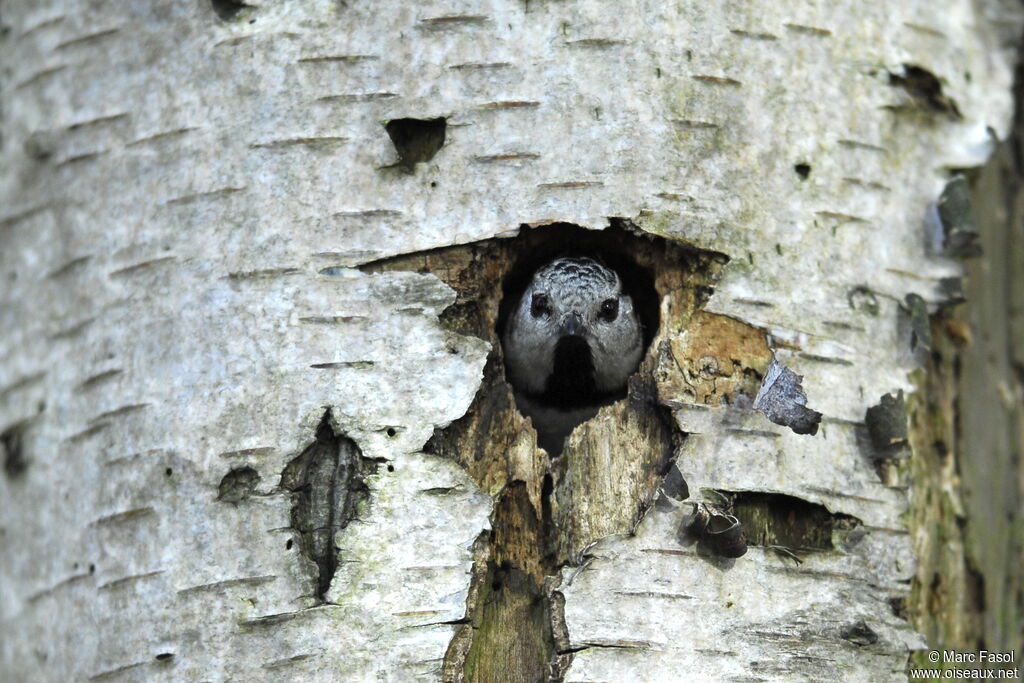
(228, 9)
(12, 447)
(416, 140)
(238, 484)
(327, 483)
(925, 90)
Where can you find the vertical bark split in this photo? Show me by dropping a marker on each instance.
(327, 483)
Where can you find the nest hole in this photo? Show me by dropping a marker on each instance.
(570, 396)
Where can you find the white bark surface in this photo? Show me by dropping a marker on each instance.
(183, 202)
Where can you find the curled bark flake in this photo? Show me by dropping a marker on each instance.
(783, 401)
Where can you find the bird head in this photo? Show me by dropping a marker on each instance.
(571, 308)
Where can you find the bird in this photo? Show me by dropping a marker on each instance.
(570, 344)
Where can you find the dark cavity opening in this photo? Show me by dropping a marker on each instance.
(228, 9)
(572, 382)
(416, 140)
(775, 519)
(803, 170)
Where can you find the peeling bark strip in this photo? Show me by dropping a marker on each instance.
(327, 485)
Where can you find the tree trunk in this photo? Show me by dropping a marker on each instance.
(255, 257)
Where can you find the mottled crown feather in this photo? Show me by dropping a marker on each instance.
(577, 269)
(577, 278)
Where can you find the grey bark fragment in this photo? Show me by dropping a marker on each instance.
(887, 424)
(783, 401)
(959, 228)
(859, 633)
(915, 313)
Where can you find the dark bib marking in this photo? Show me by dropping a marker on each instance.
(571, 384)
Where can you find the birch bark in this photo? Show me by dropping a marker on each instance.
(216, 301)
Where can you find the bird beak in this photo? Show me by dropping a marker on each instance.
(572, 324)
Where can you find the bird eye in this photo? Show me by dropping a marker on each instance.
(540, 305)
(609, 309)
